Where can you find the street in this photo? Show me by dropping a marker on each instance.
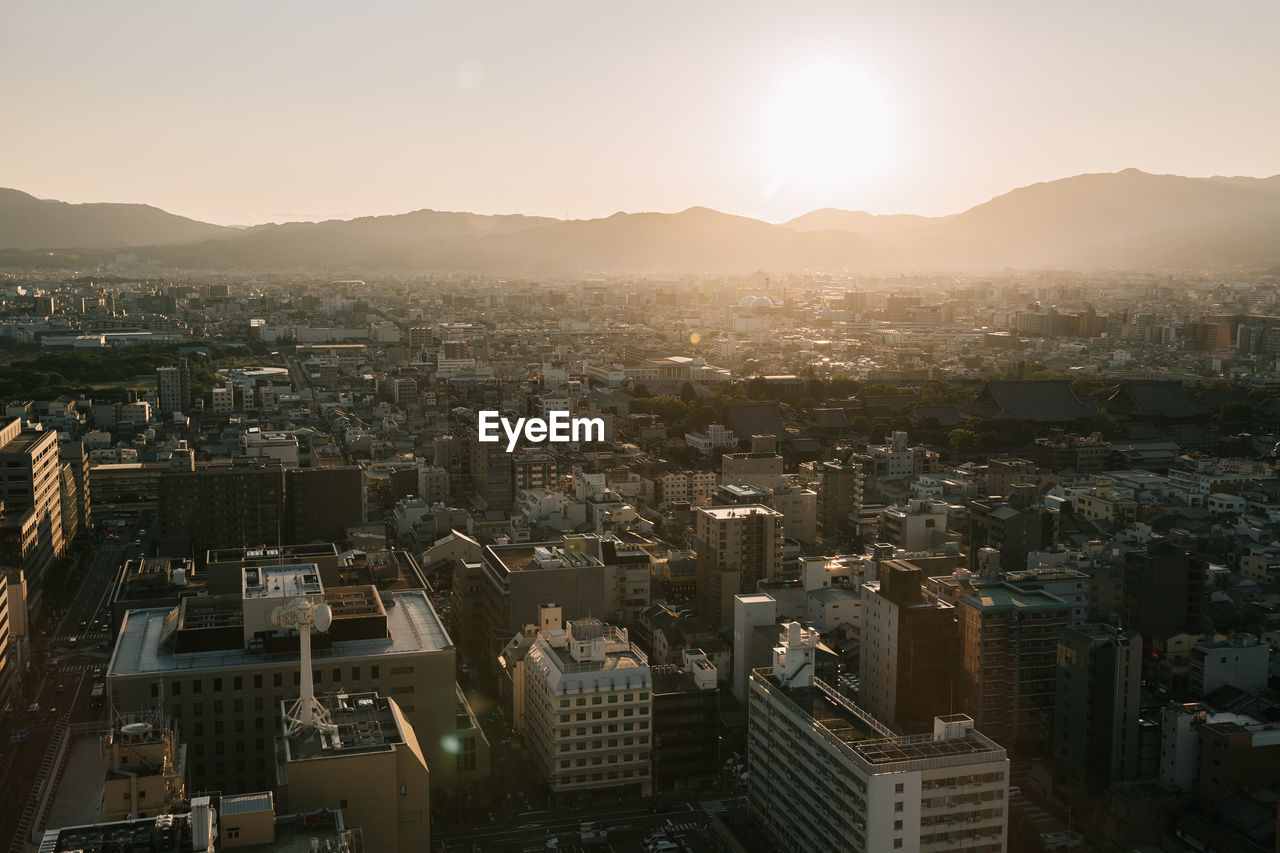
(68, 654)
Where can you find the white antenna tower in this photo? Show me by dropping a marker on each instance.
(306, 713)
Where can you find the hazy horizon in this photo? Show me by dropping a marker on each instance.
(243, 114)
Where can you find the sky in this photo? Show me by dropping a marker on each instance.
(247, 112)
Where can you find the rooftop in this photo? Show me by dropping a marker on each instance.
(281, 581)
(744, 511)
(1003, 596)
(413, 627)
(365, 722)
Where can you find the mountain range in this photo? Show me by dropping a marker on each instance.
(1122, 220)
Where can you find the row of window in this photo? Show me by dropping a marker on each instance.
(196, 685)
(599, 759)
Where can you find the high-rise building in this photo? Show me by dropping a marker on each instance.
(31, 479)
(173, 388)
(216, 506)
(906, 661)
(1008, 649)
(8, 660)
(738, 546)
(686, 722)
(824, 775)
(1163, 589)
(840, 499)
(73, 455)
(321, 502)
(1095, 718)
(587, 709)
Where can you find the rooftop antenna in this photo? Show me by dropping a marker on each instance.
(306, 713)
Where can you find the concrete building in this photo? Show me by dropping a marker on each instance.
(222, 669)
(686, 723)
(738, 546)
(587, 573)
(1239, 661)
(587, 709)
(366, 757)
(1163, 589)
(219, 506)
(824, 775)
(921, 525)
(762, 470)
(1015, 526)
(321, 502)
(750, 612)
(1008, 642)
(1095, 718)
(30, 479)
(840, 501)
(907, 656)
(173, 387)
(1004, 472)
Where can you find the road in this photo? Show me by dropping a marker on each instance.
(625, 828)
(66, 650)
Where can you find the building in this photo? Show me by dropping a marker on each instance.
(587, 710)
(365, 756)
(824, 775)
(1015, 526)
(73, 457)
(321, 502)
(1239, 661)
(1004, 472)
(246, 822)
(738, 546)
(921, 525)
(1163, 589)
(219, 506)
(173, 388)
(10, 670)
(1007, 650)
(759, 469)
(840, 501)
(907, 656)
(222, 669)
(1095, 718)
(686, 723)
(587, 573)
(31, 479)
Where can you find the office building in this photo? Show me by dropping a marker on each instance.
(1015, 526)
(907, 651)
(840, 501)
(222, 669)
(1095, 718)
(1163, 589)
(587, 710)
(824, 775)
(738, 546)
(173, 388)
(218, 506)
(321, 502)
(921, 525)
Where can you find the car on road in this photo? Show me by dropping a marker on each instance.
(73, 640)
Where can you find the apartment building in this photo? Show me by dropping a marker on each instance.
(31, 479)
(738, 546)
(825, 775)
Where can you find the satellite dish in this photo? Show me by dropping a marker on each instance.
(323, 618)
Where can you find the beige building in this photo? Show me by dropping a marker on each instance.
(762, 470)
(31, 478)
(365, 760)
(738, 546)
(586, 707)
(146, 768)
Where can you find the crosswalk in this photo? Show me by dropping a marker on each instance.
(69, 668)
(716, 806)
(684, 826)
(83, 638)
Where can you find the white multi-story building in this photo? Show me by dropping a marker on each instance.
(827, 776)
(587, 707)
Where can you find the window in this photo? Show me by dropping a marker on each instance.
(402, 670)
(217, 685)
(355, 673)
(897, 789)
(337, 675)
(897, 807)
(897, 843)
(175, 689)
(277, 679)
(897, 824)
(373, 672)
(257, 682)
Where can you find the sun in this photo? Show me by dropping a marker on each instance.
(826, 125)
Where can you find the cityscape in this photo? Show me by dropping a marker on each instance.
(331, 521)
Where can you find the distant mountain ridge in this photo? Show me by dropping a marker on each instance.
(1122, 220)
(27, 222)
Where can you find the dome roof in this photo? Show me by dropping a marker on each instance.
(755, 302)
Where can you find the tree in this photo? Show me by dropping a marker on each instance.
(687, 393)
(641, 390)
(1104, 424)
(962, 440)
(1235, 413)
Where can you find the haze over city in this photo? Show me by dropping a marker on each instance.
(241, 113)
(640, 428)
